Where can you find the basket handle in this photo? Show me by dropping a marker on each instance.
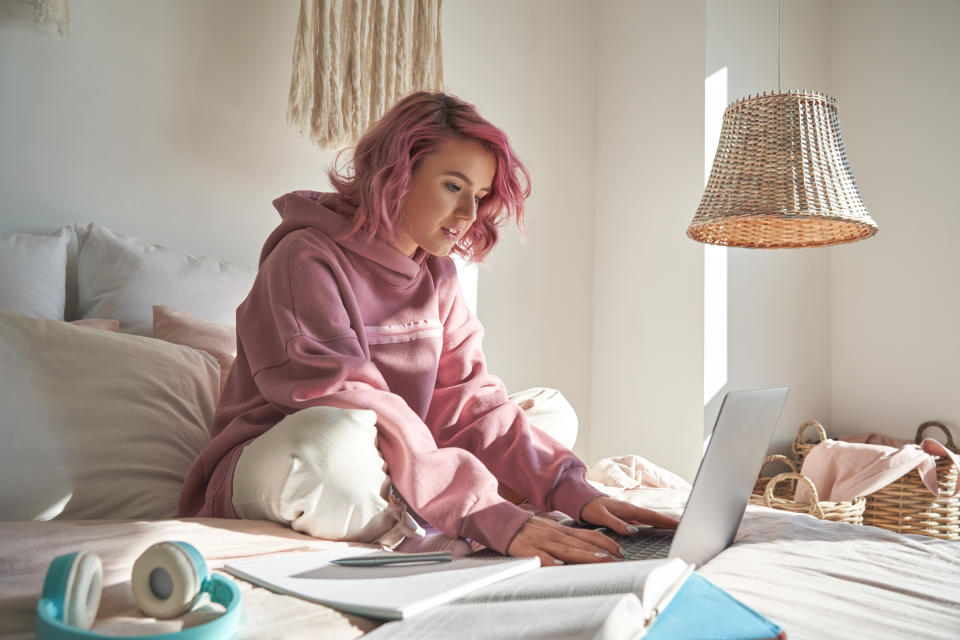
(942, 427)
(815, 509)
(779, 458)
(816, 425)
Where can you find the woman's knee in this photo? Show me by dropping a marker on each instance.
(317, 470)
(549, 411)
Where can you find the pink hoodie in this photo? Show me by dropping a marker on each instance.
(356, 324)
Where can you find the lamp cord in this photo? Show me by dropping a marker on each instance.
(779, 41)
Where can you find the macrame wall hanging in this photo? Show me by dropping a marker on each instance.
(353, 59)
(53, 13)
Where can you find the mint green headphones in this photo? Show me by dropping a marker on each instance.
(167, 581)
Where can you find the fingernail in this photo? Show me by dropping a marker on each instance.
(632, 529)
(603, 554)
(622, 551)
(558, 562)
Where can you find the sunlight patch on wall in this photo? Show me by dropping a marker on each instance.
(715, 258)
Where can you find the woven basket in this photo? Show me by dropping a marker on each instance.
(933, 423)
(845, 511)
(783, 490)
(801, 447)
(907, 506)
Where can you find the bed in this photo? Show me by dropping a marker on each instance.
(111, 353)
(815, 579)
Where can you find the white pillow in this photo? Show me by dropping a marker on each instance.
(122, 278)
(96, 424)
(33, 273)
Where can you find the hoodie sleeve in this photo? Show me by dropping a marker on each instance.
(470, 409)
(296, 330)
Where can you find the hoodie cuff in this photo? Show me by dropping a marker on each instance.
(573, 492)
(495, 525)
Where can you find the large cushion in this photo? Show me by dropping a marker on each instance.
(122, 278)
(34, 272)
(96, 424)
(178, 326)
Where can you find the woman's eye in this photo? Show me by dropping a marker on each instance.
(454, 187)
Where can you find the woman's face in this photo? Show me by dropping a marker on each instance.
(445, 192)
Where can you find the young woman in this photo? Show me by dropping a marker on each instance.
(359, 404)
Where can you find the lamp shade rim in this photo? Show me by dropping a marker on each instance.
(742, 233)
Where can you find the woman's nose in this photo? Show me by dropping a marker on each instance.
(468, 208)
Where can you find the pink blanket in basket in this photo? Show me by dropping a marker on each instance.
(859, 465)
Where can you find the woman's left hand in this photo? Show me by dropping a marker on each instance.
(623, 517)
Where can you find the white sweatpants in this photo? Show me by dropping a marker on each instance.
(319, 471)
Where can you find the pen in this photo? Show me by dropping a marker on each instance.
(391, 557)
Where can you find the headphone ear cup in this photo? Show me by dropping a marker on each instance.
(166, 580)
(81, 596)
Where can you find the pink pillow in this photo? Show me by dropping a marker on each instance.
(180, 327)
(98, 323)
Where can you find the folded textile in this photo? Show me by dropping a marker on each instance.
(633, 472)
(843, 470)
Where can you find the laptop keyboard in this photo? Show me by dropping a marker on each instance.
(646, 545)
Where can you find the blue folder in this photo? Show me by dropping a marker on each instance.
(704, 611)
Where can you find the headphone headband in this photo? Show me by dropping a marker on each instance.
(52, 604)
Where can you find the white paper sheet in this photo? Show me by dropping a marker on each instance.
(386, 592)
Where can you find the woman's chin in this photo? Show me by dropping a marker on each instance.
(440, 251)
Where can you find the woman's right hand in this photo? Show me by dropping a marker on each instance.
(557, 544)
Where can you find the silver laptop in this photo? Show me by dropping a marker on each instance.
(721, 490)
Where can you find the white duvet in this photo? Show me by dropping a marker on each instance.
(817, 580)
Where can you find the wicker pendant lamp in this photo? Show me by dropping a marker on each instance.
(780, 177)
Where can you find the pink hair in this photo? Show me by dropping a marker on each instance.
(379, 175)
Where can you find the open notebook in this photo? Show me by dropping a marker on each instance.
(589, 610)
(384, 592)
(400, 591)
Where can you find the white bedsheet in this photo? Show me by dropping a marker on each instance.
(824, 580)
(26, 549)
(816, 579)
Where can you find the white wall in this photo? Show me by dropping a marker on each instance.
(778, 302)
(648, 278)
(895, 306)
(535, 78)
(608, 126)
(160, 119)
(165, 120)
(863, 333)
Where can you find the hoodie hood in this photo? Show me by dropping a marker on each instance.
(328, 213)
